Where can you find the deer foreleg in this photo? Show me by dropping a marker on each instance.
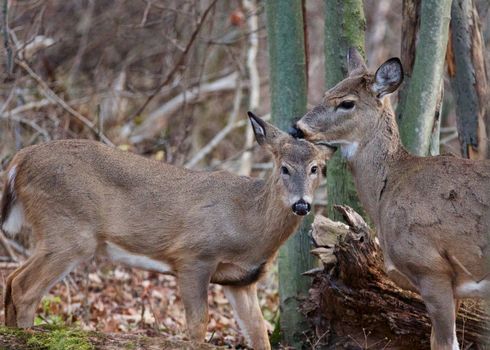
(248, 314)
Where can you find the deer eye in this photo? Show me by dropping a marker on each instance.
(314, 169)
(347, 104)
(284, 170)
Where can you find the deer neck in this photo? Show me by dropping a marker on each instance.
(278, 221)
(376, 155)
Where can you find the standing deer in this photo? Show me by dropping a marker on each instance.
(432, 214)
(83, 199)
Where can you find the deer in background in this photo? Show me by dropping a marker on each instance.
(83, 199)
(432, 214)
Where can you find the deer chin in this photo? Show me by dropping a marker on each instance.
(347, 148)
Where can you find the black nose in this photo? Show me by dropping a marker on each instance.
(301, 207)
(295, 132)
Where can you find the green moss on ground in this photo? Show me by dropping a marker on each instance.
(60, 337)
(49, 337)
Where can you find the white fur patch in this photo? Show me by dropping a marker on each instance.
(15, 220)
(295, 199)
(117, 254)
(11, 177)
(348, 150)
(455, 340)
(308, 199)
(473, 289)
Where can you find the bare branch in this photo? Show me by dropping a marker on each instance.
(251, 6)
(222, 134)
(157, 119)
(51, 95)
(180, 61)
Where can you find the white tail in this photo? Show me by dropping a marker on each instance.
(83, 199)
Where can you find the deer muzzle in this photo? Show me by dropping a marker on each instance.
(296, 132)
(301, 207)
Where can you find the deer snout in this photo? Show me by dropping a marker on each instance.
(296, 132)
(301, 207)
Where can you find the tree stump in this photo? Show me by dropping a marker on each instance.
(353, 304)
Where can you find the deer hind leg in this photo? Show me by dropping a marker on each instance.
(438, 296)
(248, 314)
(32, 282)
(9, 307)
(193, 286)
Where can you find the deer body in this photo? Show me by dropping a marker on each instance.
(432, 214)
(83, 199)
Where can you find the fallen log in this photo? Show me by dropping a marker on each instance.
(353, 304)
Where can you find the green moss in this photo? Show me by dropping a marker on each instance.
(50, 338)
(129, 346)
(275, 338)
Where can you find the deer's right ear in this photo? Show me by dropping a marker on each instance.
(264, 132)
(388, 77)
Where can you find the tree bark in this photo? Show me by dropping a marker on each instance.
(344, 27)
(421, 96)
(287, 64)
(466, 68)
(354, 305)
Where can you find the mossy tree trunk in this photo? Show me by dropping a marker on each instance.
(466, 68)
(420, 98)
(344, 27)
(288, 84)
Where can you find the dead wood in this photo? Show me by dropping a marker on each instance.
(354, 305)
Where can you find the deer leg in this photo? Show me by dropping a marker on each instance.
(9, 307)
(28, 286)
(437, 293)
(248, 314)
(193, 285)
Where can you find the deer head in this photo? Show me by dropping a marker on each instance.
(350, 109)
(298, 164)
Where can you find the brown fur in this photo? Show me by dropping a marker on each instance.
(432, 214)
(81, 196)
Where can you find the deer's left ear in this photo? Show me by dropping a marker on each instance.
(355, 62)
(388, 77)
(266, 134)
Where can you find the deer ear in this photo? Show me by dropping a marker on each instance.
(388, 77)
(355, 62)
(265, 133)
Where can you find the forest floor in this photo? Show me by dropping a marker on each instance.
(123, 302)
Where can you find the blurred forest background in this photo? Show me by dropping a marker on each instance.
(170, 80)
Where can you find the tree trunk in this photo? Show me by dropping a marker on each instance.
(468, 78)
(344, 28)
(418, 114)
(354, 305)
(287, 64)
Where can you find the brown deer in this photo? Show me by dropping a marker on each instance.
(432, 214)
(83, 199)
